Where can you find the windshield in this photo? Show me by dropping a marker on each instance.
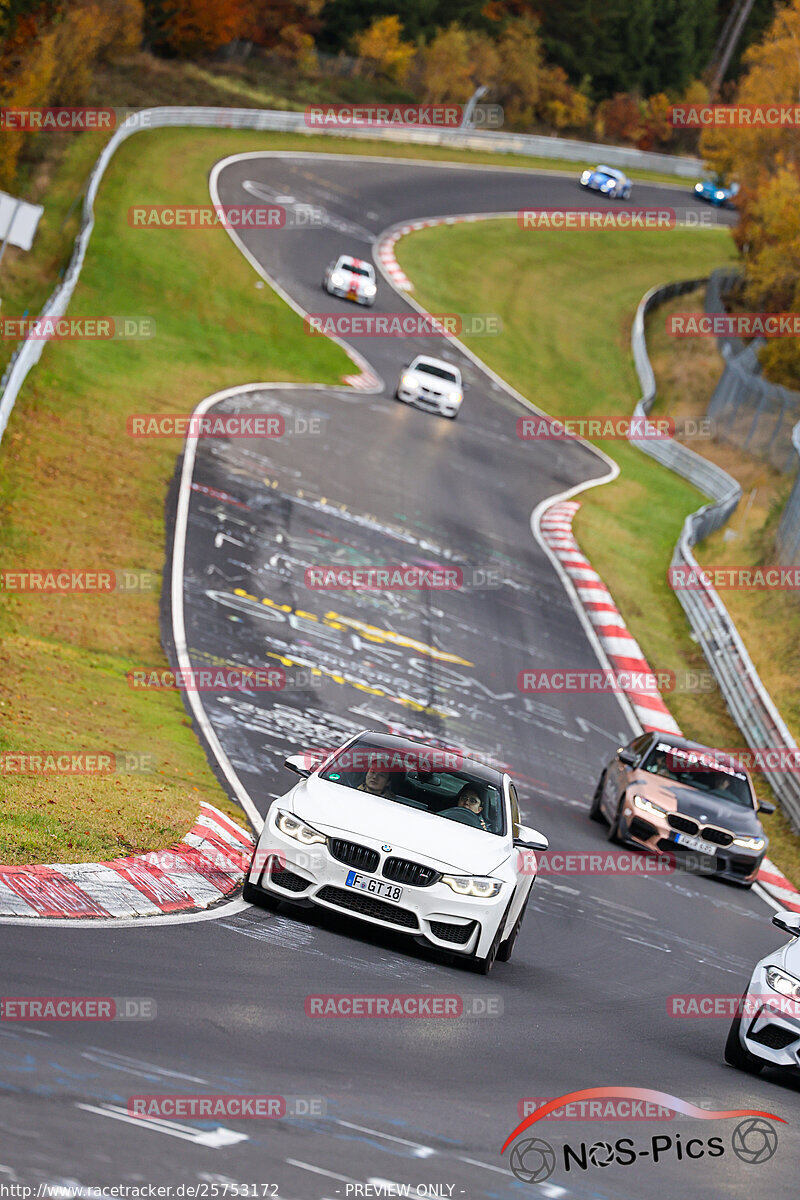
(705, 775)
(354, 270)
(406, 777)
(439, 372)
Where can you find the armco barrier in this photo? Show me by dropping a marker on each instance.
(747, 699)
(29, 352)
(788, 539)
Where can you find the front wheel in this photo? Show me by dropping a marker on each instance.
(595, 811)
(506, 948)
(254, 895)
(735, 1053)
(614, 835)
(482, 966)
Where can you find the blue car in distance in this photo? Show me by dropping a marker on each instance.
(716, 192)
(608, 181)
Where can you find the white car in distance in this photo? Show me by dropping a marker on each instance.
(433, 384)
(352, 279)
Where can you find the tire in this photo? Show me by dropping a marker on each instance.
(506, 948)
(735, 1053)
(595, 811)
(613, 826)
(483, 966)
(254, 895)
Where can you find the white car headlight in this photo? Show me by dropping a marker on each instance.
(457, 395)
(586, 176)
(649, 807)
(785, 984)
(720, 195)
(298, 830)
(338, 279)
(369, 289)
(472, 885)
(750, 843)
(409, 381)
(698, 187)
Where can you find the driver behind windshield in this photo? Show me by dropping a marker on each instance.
(469, 799)
(376, 782)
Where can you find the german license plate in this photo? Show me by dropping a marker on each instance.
(694, 843)
(377, 887)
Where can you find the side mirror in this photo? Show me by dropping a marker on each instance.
(531, 839)
(299, 764)
(627, 756)
(789, 922)
(766, 806)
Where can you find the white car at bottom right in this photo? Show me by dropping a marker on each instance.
(766, 1030)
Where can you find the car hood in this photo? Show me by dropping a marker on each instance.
(433, 384)
(707, 809)
(789, 957)
(435, 841)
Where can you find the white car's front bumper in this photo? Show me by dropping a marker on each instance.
(283, 868)
(443, 404)
(769, 1028)
(350, 294)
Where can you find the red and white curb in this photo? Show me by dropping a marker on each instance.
(367, 381)
(623, 651)
(625, 655)
(205, 867)
(384, 250)
(778, 886)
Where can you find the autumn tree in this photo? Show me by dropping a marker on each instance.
(446, 67)
(619, 119)
(195, 27)
(383, 50)
(766, 162)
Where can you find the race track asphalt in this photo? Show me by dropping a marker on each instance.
(583, 1003)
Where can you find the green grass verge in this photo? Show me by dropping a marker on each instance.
(76, 491)
(567, 307)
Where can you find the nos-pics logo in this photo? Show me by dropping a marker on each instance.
(533, 1159)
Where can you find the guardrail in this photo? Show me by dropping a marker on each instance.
(29, 352)
(748, 701)
(788, 538)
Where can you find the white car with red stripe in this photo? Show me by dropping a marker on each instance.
(352, 279)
